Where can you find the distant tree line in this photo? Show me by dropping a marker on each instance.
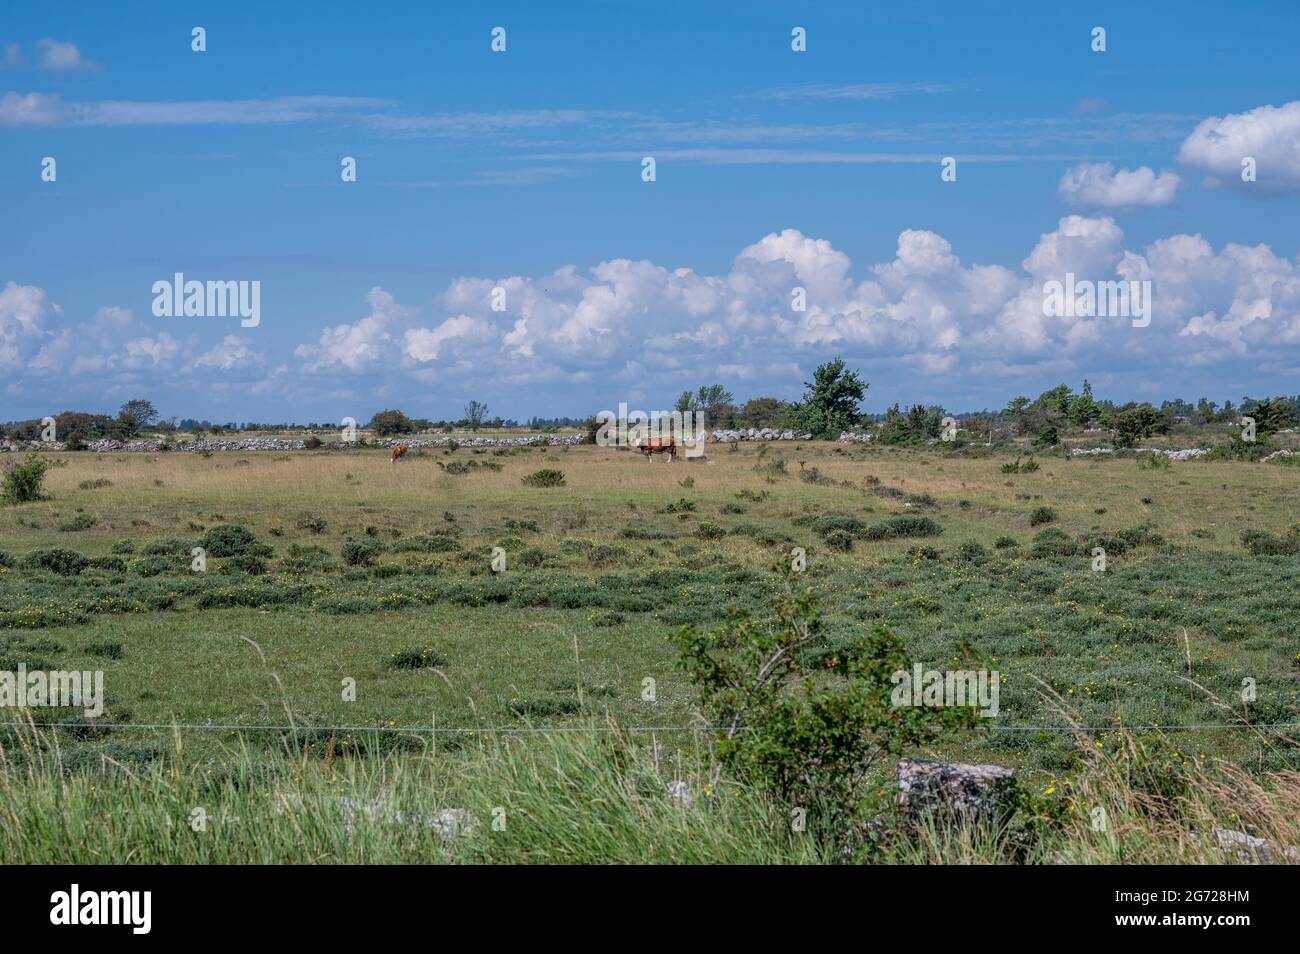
(830, 405)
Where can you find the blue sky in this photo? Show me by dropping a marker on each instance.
(522, 170)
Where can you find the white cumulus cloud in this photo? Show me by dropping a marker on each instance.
(1268, 134)
(1101, 185)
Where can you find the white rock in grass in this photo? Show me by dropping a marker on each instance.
(680, 792)
(451, 822)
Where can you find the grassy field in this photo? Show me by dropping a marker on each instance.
(357, 566)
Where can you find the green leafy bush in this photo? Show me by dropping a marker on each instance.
(82, 521)
(56, 560)
(547, 477)
(24, 481)
(838, 522)
(1042, 515)
(232, 539)
(1262, 543)
(812, 720)
(840, 540)
(167, 546)
(312, 523)
(361, 552)
(904, 525)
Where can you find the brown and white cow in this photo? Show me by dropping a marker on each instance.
(657, 445)
(398, 451)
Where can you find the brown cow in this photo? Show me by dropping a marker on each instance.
(658, 445)
(398, 451)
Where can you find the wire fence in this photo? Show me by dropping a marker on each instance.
(541, 730)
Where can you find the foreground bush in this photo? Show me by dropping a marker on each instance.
(548, 477)
(812, 722)
(24, 480)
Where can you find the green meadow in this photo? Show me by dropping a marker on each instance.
(345, 598)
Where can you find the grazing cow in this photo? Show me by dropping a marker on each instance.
(658, 445)
(398, 451)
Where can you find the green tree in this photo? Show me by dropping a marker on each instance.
(1133, 422)
(137, 414)
(831, 402)
(391, 422)
(475, 413)
(761, 412)
(687, 401)
(1270, 414)
(1083, 410)
(717, 404)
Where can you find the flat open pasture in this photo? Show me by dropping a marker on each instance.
(353, 567)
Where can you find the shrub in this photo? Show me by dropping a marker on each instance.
(1237, 449)
(110, 563)
(972, 552)
(6, 559)
(360, 552)
(1042, 515)
(56, 560)
(124, 546)
(532, 557)
(312, 523)
(24, 481)
(548, 477)
(155, 565)
(811, 721)
(82, 521)
(710, 531)
(416, 659)
(231, 539)
(838, 522)
(300, 559)
(311, 442)
(430, 544)
(840, 540)
(905, 525)
(1052, 541)
(1261, 543)
(604, 554)
(244, 563)
(108, 650)
(168, 546)
(1005, 543)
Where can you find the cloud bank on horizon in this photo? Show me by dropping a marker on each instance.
(939, 318)
(634, 326)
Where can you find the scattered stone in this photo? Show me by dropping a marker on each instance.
(1250, 850)
(981, 793)
(680, 792)
(451, 822)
